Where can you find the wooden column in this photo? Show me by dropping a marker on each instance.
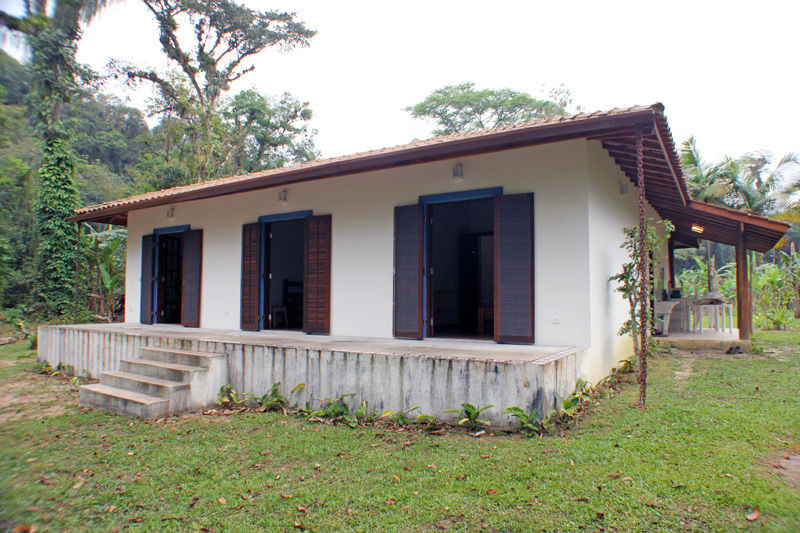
(671, 265)
(744, 318)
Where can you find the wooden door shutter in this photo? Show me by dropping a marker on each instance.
(513, 270)
(408, 275)
(250, 315)
(146, 302)
(317, 276)
(192, 277)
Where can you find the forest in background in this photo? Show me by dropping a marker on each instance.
(63, 143)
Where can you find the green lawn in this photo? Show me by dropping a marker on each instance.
(697, 459)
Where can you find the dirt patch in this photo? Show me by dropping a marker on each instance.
(686, 369)
(787, 465)
(31, 397)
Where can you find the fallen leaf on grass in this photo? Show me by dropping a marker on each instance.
(193, 501)
(628, 479)
(223, 501)
(112, 509)
(389, 501)
(301, 509)
(491, 491)
(753, 515)
(78, 485)
(24, 529)
(285, 495)
(298, 525)
(264, 452)
(396, 478)
(178, 518)
(407, 468)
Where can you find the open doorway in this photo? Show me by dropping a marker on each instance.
(461, 269)
(284, 272)
(169, 278)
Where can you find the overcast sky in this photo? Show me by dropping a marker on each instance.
(726, 71)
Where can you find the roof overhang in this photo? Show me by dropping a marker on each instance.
(665, 187)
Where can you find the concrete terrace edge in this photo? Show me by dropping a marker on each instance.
(384, 379)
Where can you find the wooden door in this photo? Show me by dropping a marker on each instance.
(317, 276)
(250, 314)
(514, 269)
(146, 301)
(408, 271)
(192, 277)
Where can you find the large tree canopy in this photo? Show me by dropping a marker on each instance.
(461, 108)
(217, 52)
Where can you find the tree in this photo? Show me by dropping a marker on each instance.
(52, 39)
(754, 182)
(261, 132)
(225, 38)
(461, 108)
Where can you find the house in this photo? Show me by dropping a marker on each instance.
(471, 267)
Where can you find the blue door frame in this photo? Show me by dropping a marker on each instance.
(264, 220)
(426, 201)
(156, 233)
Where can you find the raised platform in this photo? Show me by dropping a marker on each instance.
(435, 375)
(709, 339)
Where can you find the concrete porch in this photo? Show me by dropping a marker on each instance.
(436, 374)
(708, 339)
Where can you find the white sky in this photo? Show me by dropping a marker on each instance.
(726, 71)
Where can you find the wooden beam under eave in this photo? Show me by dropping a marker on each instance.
(743, 311)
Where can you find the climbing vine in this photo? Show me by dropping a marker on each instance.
(629, 282)
(54, 81)
(58, 196)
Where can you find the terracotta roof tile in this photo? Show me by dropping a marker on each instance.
(88, 213)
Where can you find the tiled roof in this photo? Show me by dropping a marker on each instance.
(665, 186)
(176, 193)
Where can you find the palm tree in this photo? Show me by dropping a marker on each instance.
(751, 183)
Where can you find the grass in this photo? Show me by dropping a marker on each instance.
(697, 459)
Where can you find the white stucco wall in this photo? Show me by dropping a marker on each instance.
(609, 211)
(362, 209)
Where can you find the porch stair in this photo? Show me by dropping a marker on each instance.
(159, 382)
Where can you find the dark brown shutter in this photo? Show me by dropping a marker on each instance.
(146, 302)
(513, 271)
(317, 276)
(192, 277)
(250, 318)
(408, 239)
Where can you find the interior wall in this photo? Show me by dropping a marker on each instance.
(286, 260)
(362, 209)
(450, 220)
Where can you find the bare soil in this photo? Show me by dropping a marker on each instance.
(787, 465)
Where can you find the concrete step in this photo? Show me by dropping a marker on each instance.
(177, 356)
(162, 388)
(159, 369)
(122, 401)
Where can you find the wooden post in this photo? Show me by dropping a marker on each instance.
(671, 266)
(743, 314)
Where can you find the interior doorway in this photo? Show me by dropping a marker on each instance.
(284, 270)
(460, 269)
(169, 278)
